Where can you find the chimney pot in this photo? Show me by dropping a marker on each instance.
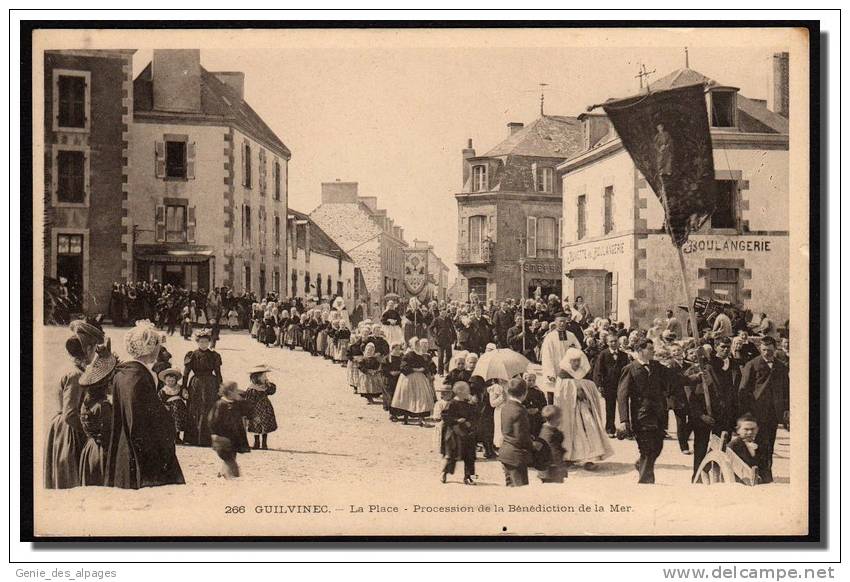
(778, 90)
(176, 77)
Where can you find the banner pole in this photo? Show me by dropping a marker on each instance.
(691, 315)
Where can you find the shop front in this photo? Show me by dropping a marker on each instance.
(192, 267)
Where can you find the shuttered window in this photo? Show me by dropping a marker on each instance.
(581, 217)
(71, 166)
(531, 236)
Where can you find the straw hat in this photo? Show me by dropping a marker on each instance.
(201, 333)
(259, 369)
(170, 372)
(101, 366)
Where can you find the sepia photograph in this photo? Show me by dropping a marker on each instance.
(411, 282)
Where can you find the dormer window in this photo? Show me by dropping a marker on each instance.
(546, 179)
(723, 108)
(479, 178)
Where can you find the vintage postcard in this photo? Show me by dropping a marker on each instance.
(522, 281)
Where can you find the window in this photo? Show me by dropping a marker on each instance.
(531, 236)
(319, 285)
(276, 282)
(339, 288)
(71, 181)
(560, 237)
(478, 285)
(262, 172)
(246, 225)
(262, 282)
(175, 223)
(69, 244)
(476, 231)
(479, 178)
(247, 277)
(330, 289)
(581, 216)
(608, 222)
(307, 283)
(175, 159)
(72, 101)
(277, 234)
(545, 179)
(246, 164)
(546, 239)
(276, 180)
(724, 284)
(725, 216)
(723, 105)
(69, 265)
(294, 278)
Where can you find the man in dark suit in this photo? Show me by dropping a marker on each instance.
(606, 375)
(517, 446)
(642, 398)
(443, 331)
(765, 393)
(502, 321)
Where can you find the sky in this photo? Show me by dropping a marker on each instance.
(395, 119)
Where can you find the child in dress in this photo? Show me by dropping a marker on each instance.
(261, 420)
(445, 397)
(552, 435)
(174, 398)
(228, 430)
(233, 319)
(459, 434)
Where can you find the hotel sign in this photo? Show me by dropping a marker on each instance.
(727, 245)
(591, 252)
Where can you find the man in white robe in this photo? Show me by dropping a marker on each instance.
(555, 345)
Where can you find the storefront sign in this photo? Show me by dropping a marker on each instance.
(728, 244)
(595, 251)
(545, 268)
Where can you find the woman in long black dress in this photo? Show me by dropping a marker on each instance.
(391, 368)
(96, 417)
(202, 377)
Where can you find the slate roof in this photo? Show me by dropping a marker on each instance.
(753, 114)
(218, 100)
(320, 242)
(553, 136)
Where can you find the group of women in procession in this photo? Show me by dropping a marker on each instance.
(118, 422)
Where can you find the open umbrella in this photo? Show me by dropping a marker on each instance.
(501, 364)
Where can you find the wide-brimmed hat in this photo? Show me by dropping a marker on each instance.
(259, 369)
(200, 333)
(170, 372)
(101, 366)
(88, 331)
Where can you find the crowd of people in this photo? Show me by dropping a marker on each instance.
(119, 422)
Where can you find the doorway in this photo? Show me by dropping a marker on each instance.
(69, 266)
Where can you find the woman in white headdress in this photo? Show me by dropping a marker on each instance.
(583, 418)
(391, 322)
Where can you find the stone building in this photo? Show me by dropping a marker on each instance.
(318, 266)
(208, 180)
(619, 258)
(87, 117)
(438, 273)
(510, 208)
(369, 236)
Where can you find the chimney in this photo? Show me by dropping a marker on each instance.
(233, 79)
(777, 92)
(176, 79)
(468, 152)
(339, 192)
(596, 126)
(514, 126)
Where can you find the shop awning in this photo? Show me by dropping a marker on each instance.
(159, 254)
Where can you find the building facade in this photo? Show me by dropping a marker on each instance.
(369, 236)
(87, 118)
(318, 266)
(617, 254)
(208, 181)
(509, 211)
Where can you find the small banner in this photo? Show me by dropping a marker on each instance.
(666, 133)
(415, 271)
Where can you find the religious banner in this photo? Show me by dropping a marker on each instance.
(666, 134)
(415, 271)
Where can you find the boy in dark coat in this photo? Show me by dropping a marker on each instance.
(515, 453)
(458, 442)
(744, 444)
(552, 435)
(227, 428)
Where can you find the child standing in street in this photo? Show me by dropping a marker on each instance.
(228, 430)
(173, 396)
(552, 435)
(459, 434)
(261, 420)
